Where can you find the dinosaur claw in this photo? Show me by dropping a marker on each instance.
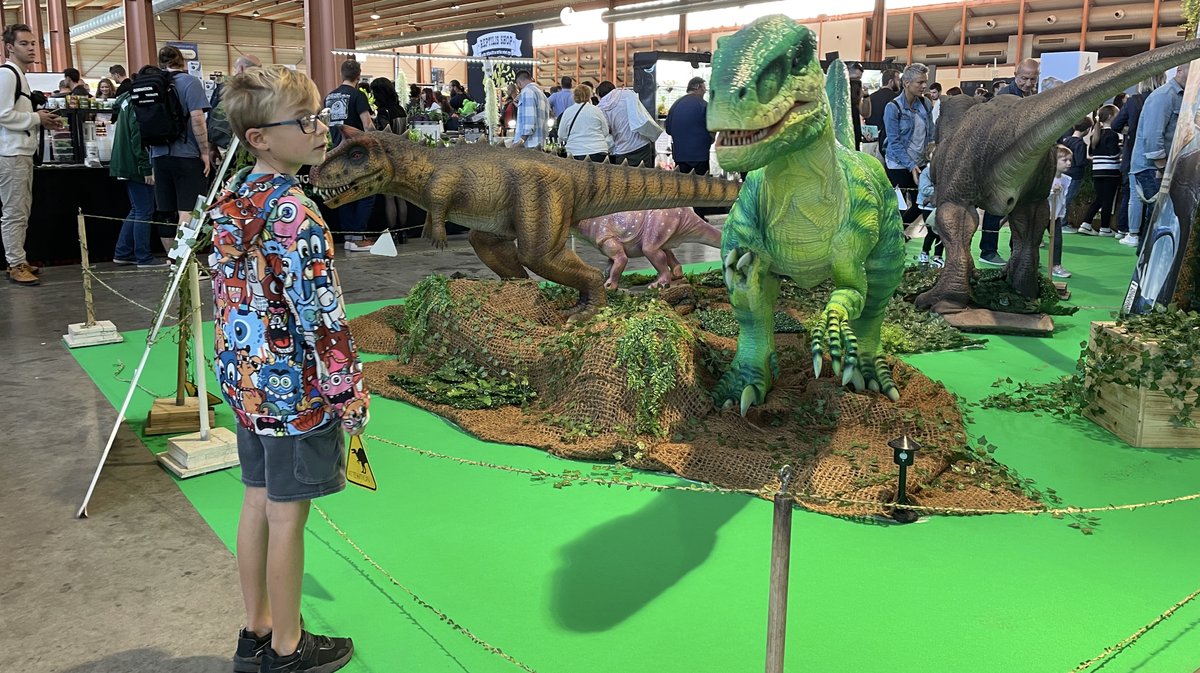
(893, 394)
(817, 365)
(848, 374)
(730, 258)
(873, 385)
(837, 367)
(729, 277)
(749, 397)
(859, 382)
(727, 405)
(745, 261)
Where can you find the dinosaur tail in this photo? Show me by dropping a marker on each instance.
(837, 88)
(1046, 116)
(614, 189)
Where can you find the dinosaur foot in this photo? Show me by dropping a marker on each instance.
(580, 312)
(877, 377)
(833, 336)
(660, 283)
(746, 384)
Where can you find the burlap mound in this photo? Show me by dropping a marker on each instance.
(835, 441)
(376, 332)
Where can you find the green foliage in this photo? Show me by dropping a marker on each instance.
(651, 354)
(908, 329)
(460, 384)
(917, 279)
(724, 324)
(990, 290)
(428, 297)
(1191, 10)
(1172, 371)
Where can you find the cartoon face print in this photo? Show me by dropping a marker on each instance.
(289, 215)
(281, 385)
(278, 329)
(233, 282)
(336, 347)
(227, 373)
(331, 310)
(338, 387)
(245, 330)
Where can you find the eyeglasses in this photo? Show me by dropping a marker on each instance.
(307, 123)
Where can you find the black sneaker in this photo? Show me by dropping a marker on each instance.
(314, 654)
(992, 258)
(248, 657)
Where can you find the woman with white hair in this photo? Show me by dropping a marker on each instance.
(908, 120)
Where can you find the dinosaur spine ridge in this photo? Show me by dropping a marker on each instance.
(613, 189)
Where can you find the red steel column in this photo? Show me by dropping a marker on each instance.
(60, 34)
(328, 25)
(140, 47)
(1021, 35)
(610, 49)
(31, 13)
(1153, 27)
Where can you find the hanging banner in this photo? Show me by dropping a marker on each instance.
(1167, 237)
(510, 41)
(191, 54)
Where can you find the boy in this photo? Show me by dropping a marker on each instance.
(1079, 160)
(285, 359)
(1059, 191)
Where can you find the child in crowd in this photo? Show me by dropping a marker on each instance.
(285, 360)
(1058, 203)
(1079, 160)
(925, 203)
(1106, 173)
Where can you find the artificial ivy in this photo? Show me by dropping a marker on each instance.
(428, 297)
(1173, 371)
(462, 385)
(651, 354)
(990, 290)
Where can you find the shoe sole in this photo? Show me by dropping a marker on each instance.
(326, 668)
(26, 283)
(984, 261)
(242, 665)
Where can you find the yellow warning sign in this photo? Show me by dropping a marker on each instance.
(358, 470)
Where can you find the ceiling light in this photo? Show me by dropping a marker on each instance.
(500, 13)
(374, 16)
(455, 7)
(255, 14)
(202, 26)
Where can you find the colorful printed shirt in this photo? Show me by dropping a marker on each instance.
(284, 355)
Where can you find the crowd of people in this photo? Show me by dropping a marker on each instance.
(1123, 146)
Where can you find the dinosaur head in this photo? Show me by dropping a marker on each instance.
(768, 94)
(357, 168)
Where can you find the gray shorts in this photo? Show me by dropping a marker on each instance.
(298, 467)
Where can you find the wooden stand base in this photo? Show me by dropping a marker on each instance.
(995, 322)
(189, 455)
(103, 332)
(166, 418)
(1063, 293)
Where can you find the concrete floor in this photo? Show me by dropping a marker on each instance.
(143, 584)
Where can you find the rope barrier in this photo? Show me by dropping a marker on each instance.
(333, 231)
(765, 492)
(419, 601)
(1106, 654)
(113, 290)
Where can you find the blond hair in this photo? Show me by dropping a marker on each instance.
(264, 95)
(582, 94)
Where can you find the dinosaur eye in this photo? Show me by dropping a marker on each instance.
(797, 62)
(358, 155)
(771, 79)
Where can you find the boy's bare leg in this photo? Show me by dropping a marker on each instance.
(285, 571)
(252, 560)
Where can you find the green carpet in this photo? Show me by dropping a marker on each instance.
(593, 580)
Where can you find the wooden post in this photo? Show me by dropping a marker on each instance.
(197, 341)
(912, 15)
(88, 300)
(682, 41)
(610, 47)
(1153, 27)
(781, 550)
(1054, 200)
(274, 52)
(1021, 34)
(1087, 7)
(878, 31)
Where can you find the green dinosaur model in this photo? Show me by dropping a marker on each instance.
(519, 204)
(811, 208)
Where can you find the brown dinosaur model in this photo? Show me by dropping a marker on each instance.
(998, 156)
(519, 204)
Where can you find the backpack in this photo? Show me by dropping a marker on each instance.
(220, 133)
(156, 105)
(929, 132)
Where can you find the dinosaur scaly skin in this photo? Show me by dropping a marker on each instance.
(652, 234)
(811, 208)
(519, 204)
(999, 156)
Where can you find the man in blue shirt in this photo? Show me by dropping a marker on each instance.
(688, 127)
(181, 168)
(1024, 84)
(533, 112)
(1155, 133)
(563, 99)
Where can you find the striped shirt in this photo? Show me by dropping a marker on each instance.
(628, 121)
(533, 114)
(1106, 155)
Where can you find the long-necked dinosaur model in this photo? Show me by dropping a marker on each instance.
(519, 204)
(997, 156)
(812, 208)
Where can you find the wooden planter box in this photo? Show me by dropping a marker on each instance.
(1139, 416)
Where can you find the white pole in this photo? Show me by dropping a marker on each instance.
(198, 350)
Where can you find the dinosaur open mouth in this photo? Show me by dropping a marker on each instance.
(744, 138)
(327, 193)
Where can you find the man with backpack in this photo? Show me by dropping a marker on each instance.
(170, 106)
(18, 141)
(220, 135)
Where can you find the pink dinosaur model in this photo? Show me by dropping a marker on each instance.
(650, 234)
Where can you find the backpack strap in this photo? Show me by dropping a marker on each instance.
(18, 93)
